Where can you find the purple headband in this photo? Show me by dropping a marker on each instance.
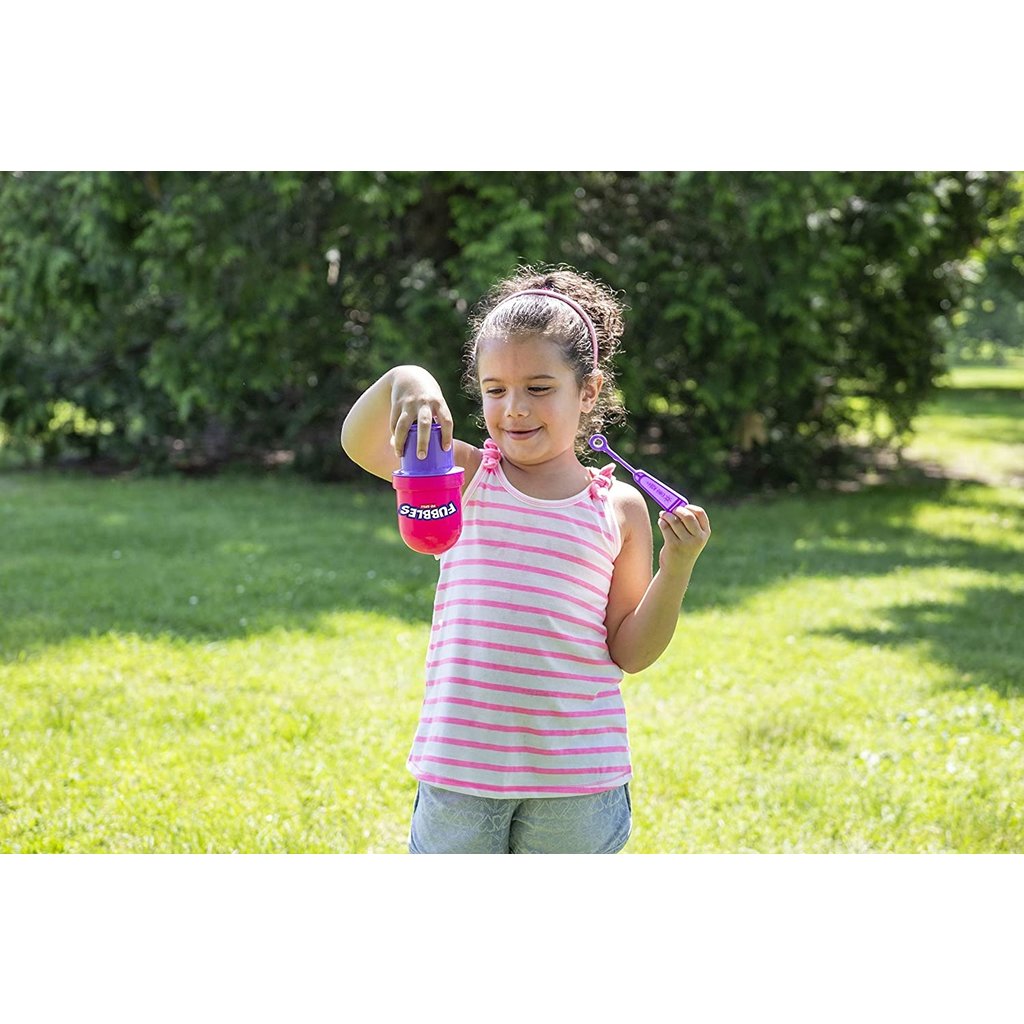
(569, 302)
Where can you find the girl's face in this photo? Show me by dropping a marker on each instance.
(531, 403)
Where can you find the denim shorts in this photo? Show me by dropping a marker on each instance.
(444, 821)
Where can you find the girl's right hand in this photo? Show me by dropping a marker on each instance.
(416, 402)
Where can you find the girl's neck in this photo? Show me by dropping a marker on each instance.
(558, 478)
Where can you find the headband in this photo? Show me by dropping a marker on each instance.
(569, 302)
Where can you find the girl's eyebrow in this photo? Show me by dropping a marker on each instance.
(536, 377)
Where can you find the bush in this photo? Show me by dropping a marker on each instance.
(186, 320)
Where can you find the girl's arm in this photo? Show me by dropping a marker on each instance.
(643, 612)
(374, 432)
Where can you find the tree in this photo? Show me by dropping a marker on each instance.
(185, 319)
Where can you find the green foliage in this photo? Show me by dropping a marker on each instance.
(183, 319)
(765, 302)
(988, 328)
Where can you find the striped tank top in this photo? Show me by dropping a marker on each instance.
(522, 697)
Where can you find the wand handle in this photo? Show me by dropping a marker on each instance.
(661, 494)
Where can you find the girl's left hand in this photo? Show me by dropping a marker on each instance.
(686, 531)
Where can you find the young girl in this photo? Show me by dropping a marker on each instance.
(547, 598)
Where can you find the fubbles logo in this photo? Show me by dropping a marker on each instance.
(420, 512)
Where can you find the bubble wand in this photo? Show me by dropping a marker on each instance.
(654, 489)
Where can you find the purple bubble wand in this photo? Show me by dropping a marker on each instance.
(658, 492)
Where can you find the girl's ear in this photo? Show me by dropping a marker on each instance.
(591, 389)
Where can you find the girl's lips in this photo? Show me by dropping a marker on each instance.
(521, 435)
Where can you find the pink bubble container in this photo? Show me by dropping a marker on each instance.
(429, 496)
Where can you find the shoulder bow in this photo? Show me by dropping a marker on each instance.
(602, 482)
(491, 455)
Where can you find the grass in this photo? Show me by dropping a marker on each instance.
(976, 430)
(234, 665)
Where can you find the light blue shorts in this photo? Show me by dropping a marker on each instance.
(444, 821)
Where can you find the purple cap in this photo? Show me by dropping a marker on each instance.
(437, 463)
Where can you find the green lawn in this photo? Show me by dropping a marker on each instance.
(976, 431)
(235, 664)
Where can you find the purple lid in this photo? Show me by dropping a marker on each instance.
(437, 463)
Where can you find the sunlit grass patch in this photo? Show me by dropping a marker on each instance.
(975, 426)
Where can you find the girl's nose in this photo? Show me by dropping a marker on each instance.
(516, 407)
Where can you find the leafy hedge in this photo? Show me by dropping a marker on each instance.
(174, 319)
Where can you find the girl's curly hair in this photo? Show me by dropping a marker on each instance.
(538, 315)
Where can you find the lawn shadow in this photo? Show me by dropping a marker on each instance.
(977, 405)
(977, 635)
(870, 532)
(989, 436)
(197, 560)
(227, 558)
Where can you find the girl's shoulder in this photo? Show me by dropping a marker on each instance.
(630, 508)
(469, 458)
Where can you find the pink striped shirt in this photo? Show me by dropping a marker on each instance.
(522, 696)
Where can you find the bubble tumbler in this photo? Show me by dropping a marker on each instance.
(429, 495)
